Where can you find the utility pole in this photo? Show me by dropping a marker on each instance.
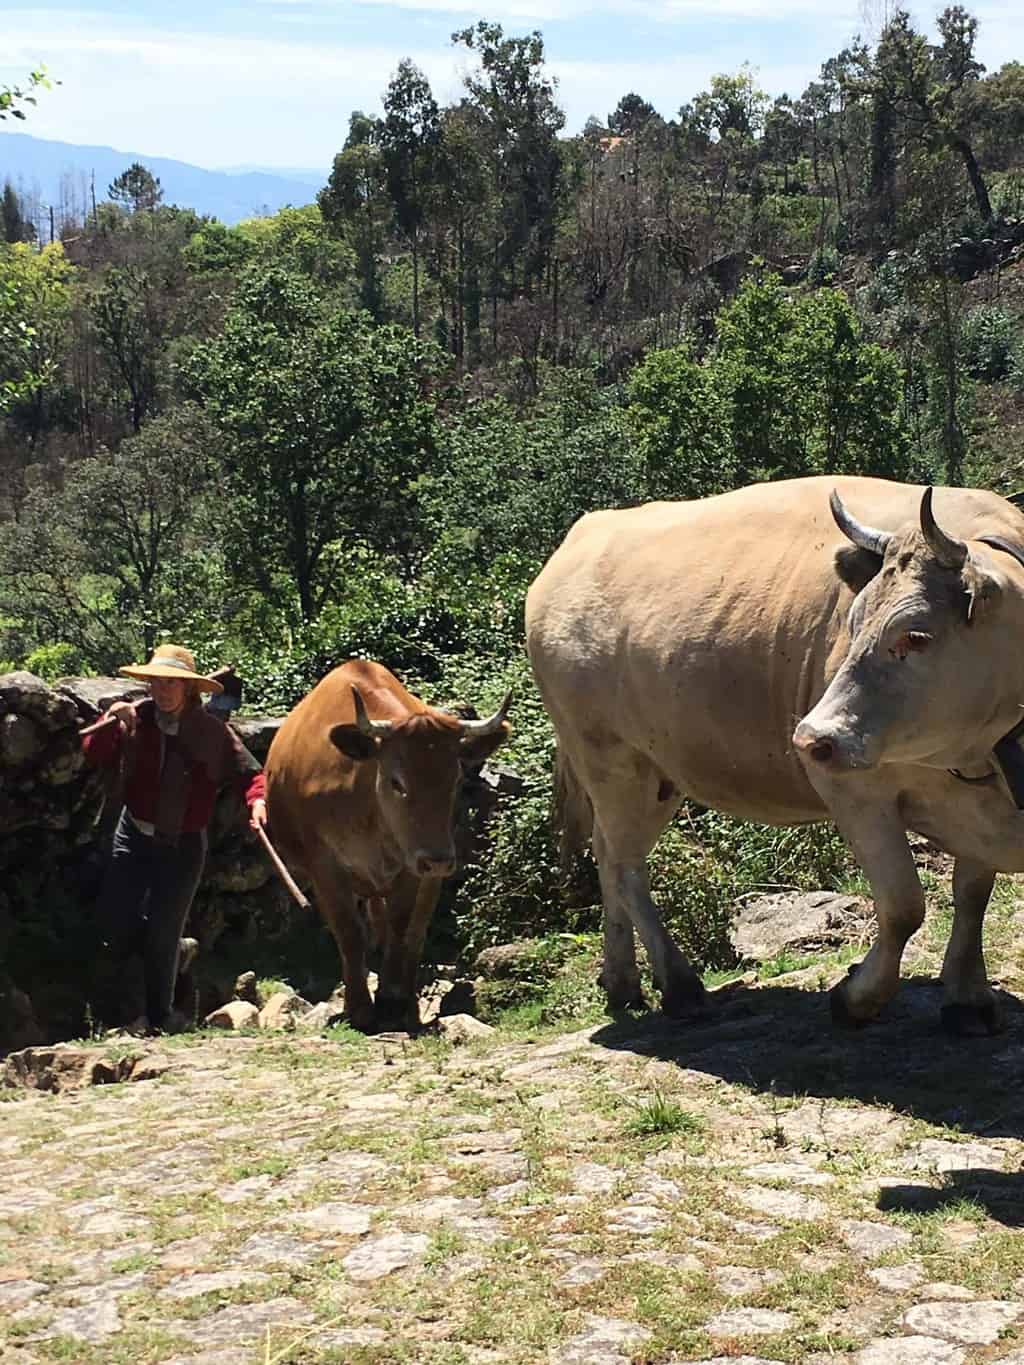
(92, 188)
(51, 224)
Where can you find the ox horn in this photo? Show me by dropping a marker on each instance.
(376, 729)
(866, 537)
(476, 729)
(950, 552)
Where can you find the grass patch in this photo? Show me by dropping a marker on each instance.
(660, 1115)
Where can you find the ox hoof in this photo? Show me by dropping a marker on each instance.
(972, 1021)
(626, 1002)
(842, 1016)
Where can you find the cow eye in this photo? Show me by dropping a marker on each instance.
(912, 642)
(398, 786)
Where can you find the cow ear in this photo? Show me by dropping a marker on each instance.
(856, 567)
(352, 742)
(984, 589)
(477, 748)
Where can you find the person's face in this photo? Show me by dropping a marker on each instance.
(169, 694)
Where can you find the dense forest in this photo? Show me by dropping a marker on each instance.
(359, 427)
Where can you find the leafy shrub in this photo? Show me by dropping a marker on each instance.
(50, 662)
(823, 266)
(989, 341)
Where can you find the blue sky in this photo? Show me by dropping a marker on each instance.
(272, 82)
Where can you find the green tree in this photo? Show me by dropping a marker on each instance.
(109, 560)
(679, 421)
(126, 318)
(137, 189)
(355, 203)
(410, 136)
(806, 393)
(934, 92)
(15, 226)
(35, 305)
(324, 421)
(519, 126)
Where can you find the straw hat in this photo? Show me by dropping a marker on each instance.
(172, 661)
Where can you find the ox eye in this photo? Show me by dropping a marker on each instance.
(398, 786)
(913, 642)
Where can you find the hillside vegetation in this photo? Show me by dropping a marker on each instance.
(360, 427)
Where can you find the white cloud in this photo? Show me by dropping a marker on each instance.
(215, 98)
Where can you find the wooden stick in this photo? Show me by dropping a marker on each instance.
(282, 871)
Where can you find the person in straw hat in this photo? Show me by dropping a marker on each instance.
(176, 756)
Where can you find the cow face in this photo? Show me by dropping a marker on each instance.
(419, 765)
(921, 680)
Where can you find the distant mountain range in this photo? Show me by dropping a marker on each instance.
(62, 174)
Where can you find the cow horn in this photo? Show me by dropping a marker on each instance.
(476, 729)
(950, 552)
(377, 729)
(866, 537)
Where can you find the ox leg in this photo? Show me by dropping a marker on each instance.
(970, 1006)
(337, 903)
(411, 907)
(880, 844)
(626, 890)
(620, 976)
(633, 804)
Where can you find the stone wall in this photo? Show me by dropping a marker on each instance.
(56, 819)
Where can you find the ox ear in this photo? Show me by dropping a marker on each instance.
(983, 586)
(475, 749)
(353, 742)
(856, 567)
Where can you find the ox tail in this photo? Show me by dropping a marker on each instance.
(573, 811)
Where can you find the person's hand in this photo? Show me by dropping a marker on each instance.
(258, 814)
(124, 712)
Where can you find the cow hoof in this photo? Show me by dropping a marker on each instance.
(362, 1020)
(842, 1016)
(972, 1021)
(627, 1004)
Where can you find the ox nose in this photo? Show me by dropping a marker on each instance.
(431, 863)
(823, 747)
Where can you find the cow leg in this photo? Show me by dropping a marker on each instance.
(970, 1006)
(880, 845)
(620, 976)
(337, 903)
(626, 890)
(411, 907)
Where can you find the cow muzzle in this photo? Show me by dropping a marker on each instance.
(829, 747)
(433, 862)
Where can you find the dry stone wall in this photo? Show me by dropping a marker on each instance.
(56, 818)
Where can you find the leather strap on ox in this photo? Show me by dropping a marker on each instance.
(1007, 752)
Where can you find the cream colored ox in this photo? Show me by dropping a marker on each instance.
(678, 645)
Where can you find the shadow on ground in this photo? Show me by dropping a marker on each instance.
(779, 1040)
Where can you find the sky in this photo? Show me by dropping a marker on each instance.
(272, 82)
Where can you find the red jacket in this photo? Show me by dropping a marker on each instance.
(224, 758)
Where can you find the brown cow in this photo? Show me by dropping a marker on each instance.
(361, 785)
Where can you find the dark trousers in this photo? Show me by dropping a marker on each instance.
(145, 900)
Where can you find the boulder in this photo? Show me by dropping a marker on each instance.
(799, 922)
(322, 1016)
(68, 1067)
(505, 959)
(235, 1015)
(93, 696)
(283, 1010)
(462, 1028)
